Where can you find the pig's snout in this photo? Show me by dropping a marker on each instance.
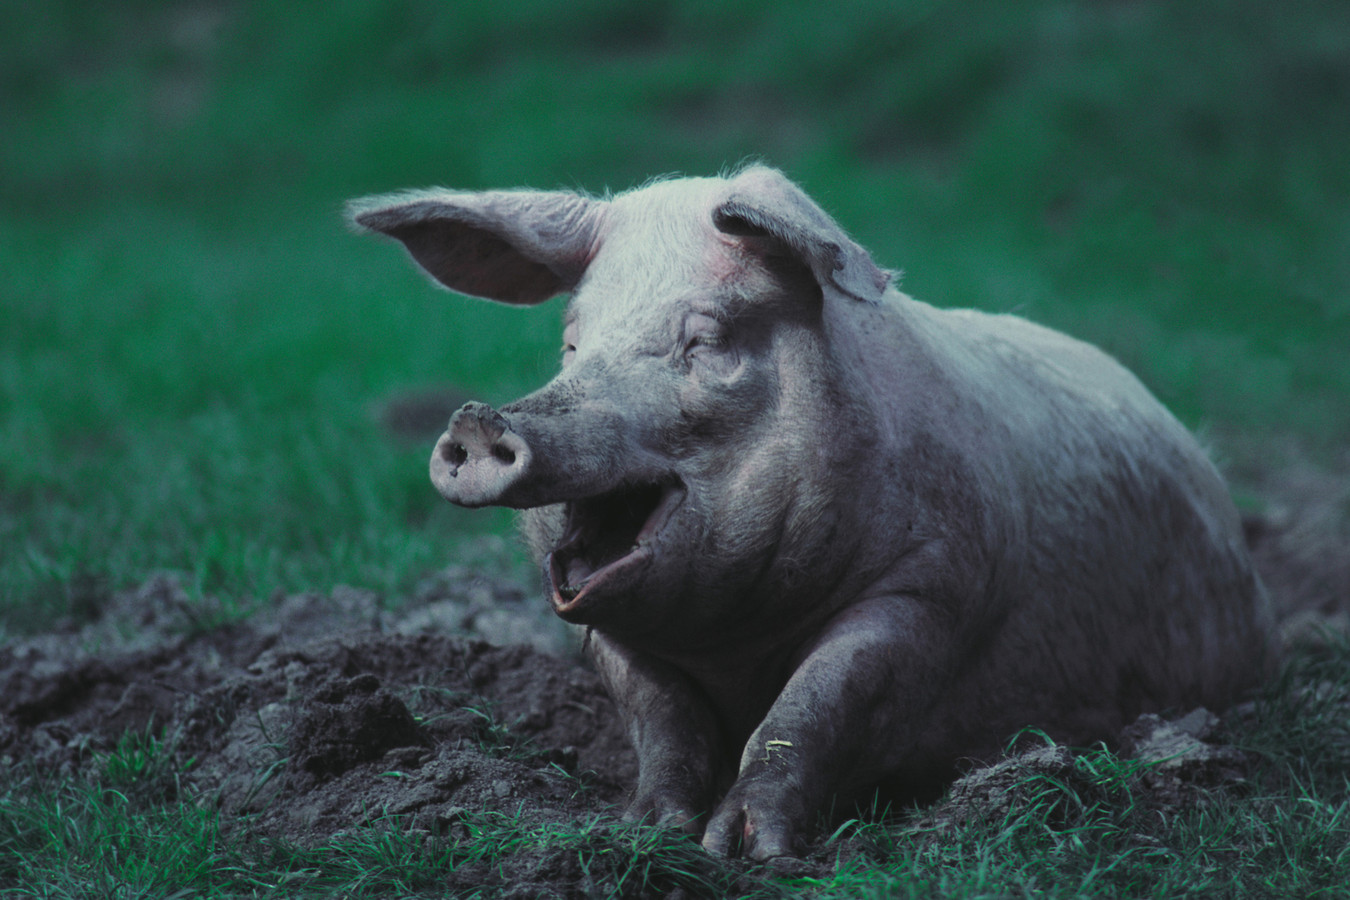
(478, 458)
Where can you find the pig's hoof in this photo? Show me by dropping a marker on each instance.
(754, 834)
(664, 814)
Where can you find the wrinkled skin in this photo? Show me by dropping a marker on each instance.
(821, 535)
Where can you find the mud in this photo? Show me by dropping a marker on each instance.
(327, 715)
(318, 714)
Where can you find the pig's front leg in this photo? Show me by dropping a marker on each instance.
(671, 728)
(848, 714)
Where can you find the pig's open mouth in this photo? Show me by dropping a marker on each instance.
(607, 535)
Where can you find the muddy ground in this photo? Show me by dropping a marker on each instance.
(322, 713)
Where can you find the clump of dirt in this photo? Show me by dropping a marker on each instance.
(1183, 766)
(348, 721)
(1168, 764)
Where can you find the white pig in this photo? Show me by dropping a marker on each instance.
(821, 535)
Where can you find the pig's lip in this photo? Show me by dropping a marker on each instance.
(608, 537)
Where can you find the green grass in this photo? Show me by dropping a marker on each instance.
(125, 830)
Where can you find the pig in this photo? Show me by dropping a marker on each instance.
(821, 536)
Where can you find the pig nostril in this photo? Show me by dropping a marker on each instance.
(505, 454)
(455, 454)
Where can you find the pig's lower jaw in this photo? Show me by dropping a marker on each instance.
(607, 542)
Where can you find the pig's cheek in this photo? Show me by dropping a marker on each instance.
(758, 819)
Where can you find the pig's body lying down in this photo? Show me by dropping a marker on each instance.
(822, 534)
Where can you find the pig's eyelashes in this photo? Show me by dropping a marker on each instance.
(701, 346)
(702, 331)
(714, 352)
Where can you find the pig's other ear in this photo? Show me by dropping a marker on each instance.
(761, 202)
(519, 247)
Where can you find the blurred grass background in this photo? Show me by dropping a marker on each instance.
(194, 351)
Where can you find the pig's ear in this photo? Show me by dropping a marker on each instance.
(519, 247)
(762, 203)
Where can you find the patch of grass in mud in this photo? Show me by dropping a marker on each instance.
(494, 737)
(1092, 825)
(493, 853)
(81, 838)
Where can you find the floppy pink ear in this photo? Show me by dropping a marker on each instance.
(519, 247)
(762, 202)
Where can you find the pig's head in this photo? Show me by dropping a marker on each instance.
(683, 451)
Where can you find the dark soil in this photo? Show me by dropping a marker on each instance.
(321, 714)
(325, 715)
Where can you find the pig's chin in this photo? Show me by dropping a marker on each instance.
(608, 543)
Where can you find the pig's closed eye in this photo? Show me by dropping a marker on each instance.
(708, 342)
(704, 332)
(568, 351)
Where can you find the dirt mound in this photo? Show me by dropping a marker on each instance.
(312, 735)
(342, 732)
(1169, 764)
